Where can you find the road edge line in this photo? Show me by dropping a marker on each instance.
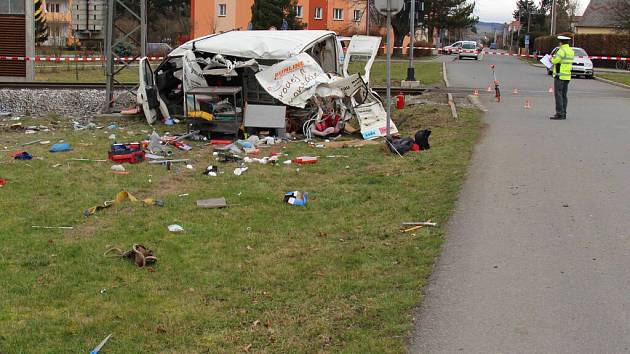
(610, 82)
(474, 100)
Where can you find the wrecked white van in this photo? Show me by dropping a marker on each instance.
(283, 80)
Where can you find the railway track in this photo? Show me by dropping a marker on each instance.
(60, 85)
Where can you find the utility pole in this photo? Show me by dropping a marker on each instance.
(412, 35)
(553, 17)
(367, 17)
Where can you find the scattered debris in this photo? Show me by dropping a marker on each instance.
(296, 198)
(162, 162)
(22, 156)
(98, 348)
(33, 142)
(118, 168)
(175, 228)
(305, 160)
(60, 147)
(126, 152)
(141, 255)
(2, 182)
(239, 170)
(420, 223)
(211, 171)
(53, 227)
(212, 203)
(120, 197)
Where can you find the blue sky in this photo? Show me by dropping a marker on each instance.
(501, 10)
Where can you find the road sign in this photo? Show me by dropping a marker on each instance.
(395, 6)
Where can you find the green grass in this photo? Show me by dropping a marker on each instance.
(428, 73)
(334, 276)
(67, 73)
(620, 78)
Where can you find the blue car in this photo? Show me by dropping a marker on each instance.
(493, 46)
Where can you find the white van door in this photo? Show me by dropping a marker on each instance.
(147, 95)
(362, 46)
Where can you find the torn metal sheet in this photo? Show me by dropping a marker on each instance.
(293, 81)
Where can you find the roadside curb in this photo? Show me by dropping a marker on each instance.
(615, 83)
(474, 100)
(451, 103)
(444, 76)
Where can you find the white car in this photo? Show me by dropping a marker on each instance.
(582, 65)
(469, 49)
(453, 48)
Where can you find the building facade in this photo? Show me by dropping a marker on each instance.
(17, 38)
(599, 18)
(59, 20)
(345, 17)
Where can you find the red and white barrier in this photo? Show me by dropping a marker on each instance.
(128, 59)
(73, 59)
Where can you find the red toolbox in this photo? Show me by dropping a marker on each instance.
(126, 152)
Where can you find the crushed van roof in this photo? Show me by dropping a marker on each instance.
(275, 45)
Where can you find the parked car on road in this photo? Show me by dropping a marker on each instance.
(453, 48)
(469, 49)
(493, 46)
(582, 65)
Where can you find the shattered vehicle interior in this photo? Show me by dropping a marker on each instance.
(244, 81)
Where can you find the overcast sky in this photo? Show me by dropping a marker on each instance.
(501, 10)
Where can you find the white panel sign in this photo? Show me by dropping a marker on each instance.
(395, 6)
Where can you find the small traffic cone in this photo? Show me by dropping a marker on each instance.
(550, 89)
(489, 89)
(528, 104)
(515, 92)
(476, 92)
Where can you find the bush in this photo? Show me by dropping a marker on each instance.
(422, 52)
(123, 49)
(594, 44)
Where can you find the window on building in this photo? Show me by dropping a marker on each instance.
(338, 14)
(12, 7)
(357, 15)
(318, 13)
(222, 10)
(299, 11)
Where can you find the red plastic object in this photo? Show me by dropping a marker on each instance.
(305, 160)
(126, 152)
(2, 182)
(400, 101)
(220, 142)
(415, 147)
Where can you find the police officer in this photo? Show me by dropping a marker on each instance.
(562, 65)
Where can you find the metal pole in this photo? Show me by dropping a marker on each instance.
(367, 18)
(109, 57)
(143, 28)
(412, 34)
(389, 69)
(553, 17)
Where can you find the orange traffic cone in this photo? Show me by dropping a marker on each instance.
(515, 92)
(550, 89)
(476, 92)
(528, 104)
(489, 89)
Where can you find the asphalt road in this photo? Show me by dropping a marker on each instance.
(537, 256)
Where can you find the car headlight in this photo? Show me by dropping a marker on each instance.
(588, 65)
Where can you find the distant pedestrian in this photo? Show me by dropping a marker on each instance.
(562, 65)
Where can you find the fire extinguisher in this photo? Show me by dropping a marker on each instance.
(400, 101)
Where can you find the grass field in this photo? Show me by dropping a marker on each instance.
(259, 276)
(90, 74)
(620, 78)
(428, 73)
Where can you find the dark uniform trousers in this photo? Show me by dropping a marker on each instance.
(560, 88)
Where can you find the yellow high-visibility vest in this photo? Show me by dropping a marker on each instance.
(564, 61)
